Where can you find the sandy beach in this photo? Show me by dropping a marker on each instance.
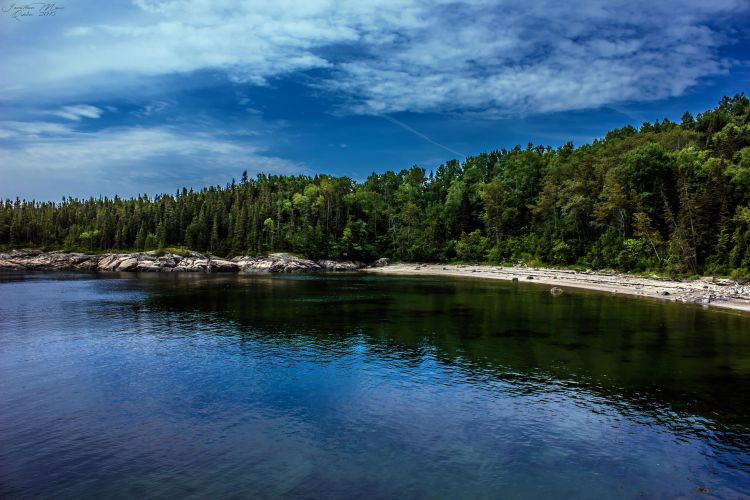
(708, 292)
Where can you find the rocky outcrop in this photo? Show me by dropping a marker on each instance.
(194, 262)
(381, 262)
(31, 260)
(276, 263)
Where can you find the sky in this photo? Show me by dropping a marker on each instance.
(147, 96)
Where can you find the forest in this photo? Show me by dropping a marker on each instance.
(665, 197)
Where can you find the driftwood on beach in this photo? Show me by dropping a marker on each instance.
(31, 260)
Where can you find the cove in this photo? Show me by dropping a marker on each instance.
(355, 385)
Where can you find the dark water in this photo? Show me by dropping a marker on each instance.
(361, 386)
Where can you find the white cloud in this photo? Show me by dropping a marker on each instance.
(123, 160)
(153, 108)
(384, 56)
(31, 130)
(77, 112)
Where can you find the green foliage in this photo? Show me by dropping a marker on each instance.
(666, 197)
(150, 242)
(472, 246)
(181, 251)
(634, 255)
(561, 253)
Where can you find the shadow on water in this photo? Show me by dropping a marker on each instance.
(658, 357)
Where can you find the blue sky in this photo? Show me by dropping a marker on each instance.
(148, 96)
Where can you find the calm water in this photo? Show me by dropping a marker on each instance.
(362, 386)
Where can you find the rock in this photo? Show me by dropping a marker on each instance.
(345, 265)
(192, 265)
(7, 265)
(276, 263)
(25, 252)
(222, 266)
(147, 266)
(529, 277)
(89, 264)
(665, 293)
(128, 264)
(381, 262)
(556, 290)
(168, 261)
(52, 261)
(23, 260)
(108, 262)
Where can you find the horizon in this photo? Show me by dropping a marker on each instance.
(150, 97)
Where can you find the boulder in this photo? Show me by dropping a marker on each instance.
(192, 265)
(129, 263)
(147, 266)
(276, 263)
(90, 264)
(222, 266)
(340, 265)
(108, 262)
(381, 262)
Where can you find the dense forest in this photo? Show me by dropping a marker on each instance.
(669, 197)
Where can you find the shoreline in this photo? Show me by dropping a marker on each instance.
(726, 294)
(707, 292)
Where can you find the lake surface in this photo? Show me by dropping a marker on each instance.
(208, 386)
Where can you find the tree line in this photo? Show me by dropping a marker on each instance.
(669, 197)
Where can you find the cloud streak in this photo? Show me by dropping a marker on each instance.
(421, 135)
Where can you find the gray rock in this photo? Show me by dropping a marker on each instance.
(276, 263)
(340, 265)
(147, 266)
(192, 265)
(222, 266)
(108, 262)
(381, 262)
(22, 260)
(7, 265)
(130, 263)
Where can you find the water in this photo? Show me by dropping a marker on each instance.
(207, 386)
